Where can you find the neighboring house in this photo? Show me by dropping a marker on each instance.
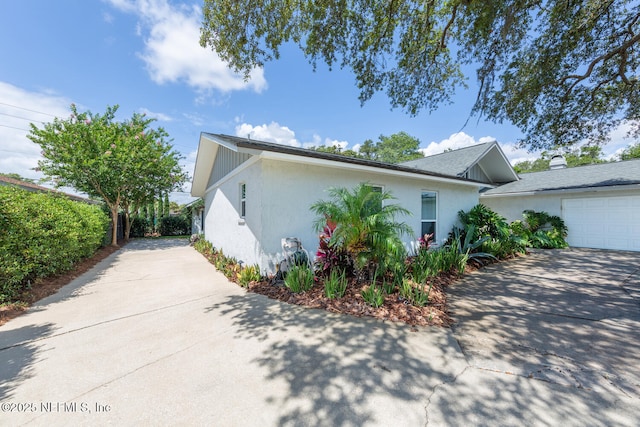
(29, 186)
(196, 208)
(600, 204)
(257, 193)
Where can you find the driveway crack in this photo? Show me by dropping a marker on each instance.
(435, 388)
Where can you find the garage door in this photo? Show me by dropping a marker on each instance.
(603, 222)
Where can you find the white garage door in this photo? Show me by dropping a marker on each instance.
(603, 222)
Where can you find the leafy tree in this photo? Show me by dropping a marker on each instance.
(631, 152)
(368, 150)
(175, 207)
(537, 165)
(584, 155)
(362, 224)
(560, 71)
(334, 149)
(123, 163)
(399, 147)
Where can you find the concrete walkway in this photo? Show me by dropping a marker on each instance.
(154, 336)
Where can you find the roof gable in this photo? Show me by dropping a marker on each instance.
(486, 162)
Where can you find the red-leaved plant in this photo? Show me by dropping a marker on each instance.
(330, 256)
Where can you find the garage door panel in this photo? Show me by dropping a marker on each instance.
(603, 222)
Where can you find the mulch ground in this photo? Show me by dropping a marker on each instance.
(394, 309)
(43, 287)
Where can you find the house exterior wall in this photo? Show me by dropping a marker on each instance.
(289, 189)
(512, 207)
(224, 228)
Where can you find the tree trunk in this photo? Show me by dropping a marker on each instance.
(127, 224)
(114, 225)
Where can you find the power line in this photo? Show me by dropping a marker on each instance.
(26, 109)
(13, 127)
(21, 118)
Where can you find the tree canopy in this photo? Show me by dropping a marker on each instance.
(631, 152)
(123, 163)
(585, 155)
(563, 72)
(397, 148)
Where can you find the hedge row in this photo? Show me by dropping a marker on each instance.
(43, 234)
(167, 226)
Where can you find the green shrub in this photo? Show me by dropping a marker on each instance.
(43, 234)
(299, 279)
(140, 226)
(373, 295)
(416, 295)
(174, 226)
(335, 285)
(361, 225)
(249, 274)
(482, 222)
(203, 246)
(541, 230)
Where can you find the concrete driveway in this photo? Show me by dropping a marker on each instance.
(154, 335)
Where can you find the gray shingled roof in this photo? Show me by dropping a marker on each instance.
(285, 149)
(455, 162)
(600, 175)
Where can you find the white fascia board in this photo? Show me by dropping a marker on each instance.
(205, 157)
(363, 168)
(564, 191)
(209, 137)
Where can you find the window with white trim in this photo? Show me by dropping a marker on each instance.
(428, 216)
(243, 199)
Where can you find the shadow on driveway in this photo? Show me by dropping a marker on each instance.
(565, 316)
(341, 370)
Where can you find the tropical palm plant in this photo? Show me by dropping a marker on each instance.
(365, 226)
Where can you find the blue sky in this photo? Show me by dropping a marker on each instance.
(145, 56)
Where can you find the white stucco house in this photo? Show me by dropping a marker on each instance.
(257, 193)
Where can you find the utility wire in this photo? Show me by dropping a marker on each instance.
(13, 127)
(26, 109)
(21, 118)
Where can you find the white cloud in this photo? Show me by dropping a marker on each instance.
(158, 116)
(335, 143)
(172, 48)
(272, 132)
(18, 108)
(454, 142)
(461, 140)
(276, 133)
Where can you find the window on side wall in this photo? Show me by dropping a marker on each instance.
(377, 189)
(429, 213)
(243, 199)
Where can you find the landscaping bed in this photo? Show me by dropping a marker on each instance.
(352, 303)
